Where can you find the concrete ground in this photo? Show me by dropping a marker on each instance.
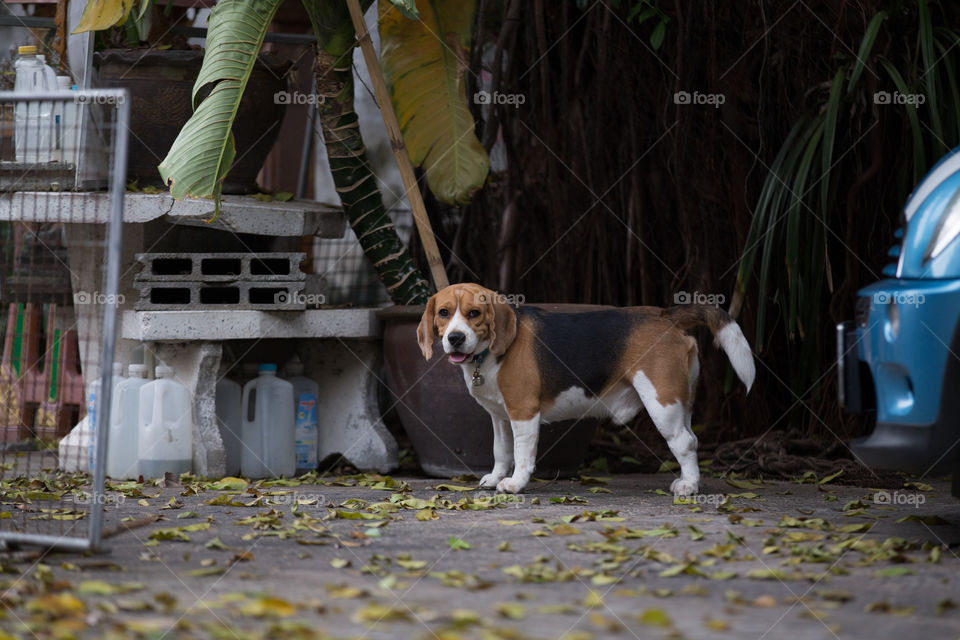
(364, 557)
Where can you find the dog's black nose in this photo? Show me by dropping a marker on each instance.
(456, 338)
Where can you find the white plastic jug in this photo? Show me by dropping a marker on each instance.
(74, 448)
(125, 425)
(228, 398)
(165, 426)
(33, 121)
(66, 125)
(93, 409)
(305, 394)
(268, 424)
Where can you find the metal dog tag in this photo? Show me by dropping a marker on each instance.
(477, 379)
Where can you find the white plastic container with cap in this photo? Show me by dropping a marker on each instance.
(33, 121)
(228, 398)
(122, 450)
(268, 426)
(305, 394)
(165, 426)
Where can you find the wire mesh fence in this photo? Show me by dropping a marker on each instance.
(346, 273)
(62, 173)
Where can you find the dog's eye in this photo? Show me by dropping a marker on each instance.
(443, 313)
(473, 313)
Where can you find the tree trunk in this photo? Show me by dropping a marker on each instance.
(352, 174)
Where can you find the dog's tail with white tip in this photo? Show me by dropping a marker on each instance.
(726, 332)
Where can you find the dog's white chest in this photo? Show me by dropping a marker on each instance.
(487, 394)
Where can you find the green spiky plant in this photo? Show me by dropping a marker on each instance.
(797, 214)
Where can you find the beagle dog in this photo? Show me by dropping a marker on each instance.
(526, 366)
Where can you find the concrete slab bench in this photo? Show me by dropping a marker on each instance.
(342, 355)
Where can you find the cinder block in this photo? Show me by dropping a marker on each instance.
(220, 267)
(267, 295)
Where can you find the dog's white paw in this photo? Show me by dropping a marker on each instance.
(490, 481)
(509, 485)
(681, 487)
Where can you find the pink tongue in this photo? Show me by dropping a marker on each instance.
(457, 358)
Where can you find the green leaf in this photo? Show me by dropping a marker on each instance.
(454, 487)
(659, 32)
(826, 160)
(869, 37)
(655, 618)
(174, 534)
(766, 574)
(929, 75)
(831, 477)
(209, 571)
(892, 572)
(459, 545)
(203, 152)
(511, 610)
(228, 484)
(919, 155)
(425, 64)
(217, 544)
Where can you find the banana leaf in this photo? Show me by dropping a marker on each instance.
(204, 150)
(103, 14)
(425, 63)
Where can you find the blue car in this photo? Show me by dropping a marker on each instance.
(901, 355)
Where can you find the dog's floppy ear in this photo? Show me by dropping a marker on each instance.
(504, 329)
(425, 329)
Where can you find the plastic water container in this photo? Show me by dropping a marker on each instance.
(74, 448)
(305, 394)
(66, 126)
(125, 426)
(93, 409)
(165, 426)
(268, 426)
(33, 121)
(228, 398)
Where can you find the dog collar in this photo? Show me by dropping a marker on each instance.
(478, 360)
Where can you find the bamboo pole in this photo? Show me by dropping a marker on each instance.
(424, 229)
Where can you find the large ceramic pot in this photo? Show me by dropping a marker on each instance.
(449, 431)
(161, 85)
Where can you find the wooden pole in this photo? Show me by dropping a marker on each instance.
(424, 230)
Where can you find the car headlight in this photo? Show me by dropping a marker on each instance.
(947, 229)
